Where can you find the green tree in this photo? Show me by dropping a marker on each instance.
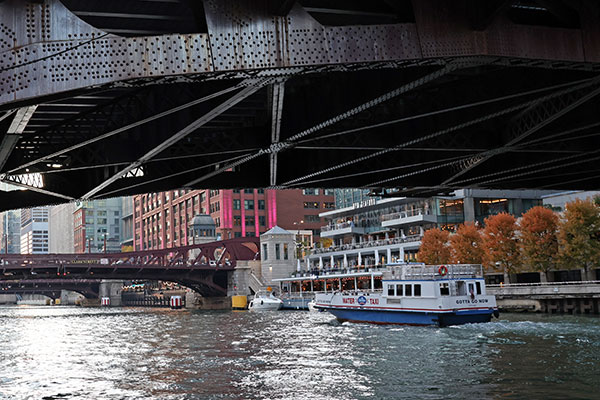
(539, 242)
(434, 247)
(467, 245)
(579, 235)
(502, 244)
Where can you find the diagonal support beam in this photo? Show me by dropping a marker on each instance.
(530, 121)
(293, 140)
(128, 127)
(278, 93)
(17, 126)
(209, 116)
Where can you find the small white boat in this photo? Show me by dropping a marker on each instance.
(265, 301)
(311, 306)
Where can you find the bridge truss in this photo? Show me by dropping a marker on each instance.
(201, 267)
(101, 99)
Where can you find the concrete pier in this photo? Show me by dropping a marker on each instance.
(549, 297)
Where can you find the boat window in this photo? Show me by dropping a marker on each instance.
(408, 290)
(399, 290)
(265, 254)
(471, 289)
(478, 286)
(444, 289)
(277, 252)
(391, 290)
(417, 290)
(461, 288)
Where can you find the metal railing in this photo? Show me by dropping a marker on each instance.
(571, 283)
(367, 244)
(405, 214)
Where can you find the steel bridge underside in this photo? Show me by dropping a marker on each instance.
(101, 99)
(51, 288)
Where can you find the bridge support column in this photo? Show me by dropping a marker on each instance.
(238, 282)
(112, 289)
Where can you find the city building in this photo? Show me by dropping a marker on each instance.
(60, 229)
(162, 220)
(10, 232)
(127, 223)
(34, 230)
(557, 201)
(376, 231)
(347, 197)
(97, 226)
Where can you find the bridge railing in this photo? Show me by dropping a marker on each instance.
(570, 283)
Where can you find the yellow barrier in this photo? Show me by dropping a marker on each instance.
(239, 302)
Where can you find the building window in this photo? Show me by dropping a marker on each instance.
(328, 205)
(260, 191)
(311, 204)
(328, 192)
(262, 220)
(250, 234)
(277, 252)
(248, 191)
(236, 204)
(261, 204)
(237, 221)
(249, 221)
(265, 253)
(236, 190)
(249, 204)
(310, 192)
(237, 234)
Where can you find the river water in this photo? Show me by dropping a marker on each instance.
(141, 353)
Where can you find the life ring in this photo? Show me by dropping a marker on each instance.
(443, 270)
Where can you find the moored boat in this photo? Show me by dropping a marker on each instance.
(439, 295)
(265, 301)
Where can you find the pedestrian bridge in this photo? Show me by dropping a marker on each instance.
(201, 267)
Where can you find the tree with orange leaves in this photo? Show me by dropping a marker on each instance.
(539, 242)
(501, 243)
(467, 245)
(579, 235)
(434, 247)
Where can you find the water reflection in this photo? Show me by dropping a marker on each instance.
(125, 353)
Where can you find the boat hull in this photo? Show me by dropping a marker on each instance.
(412, 318)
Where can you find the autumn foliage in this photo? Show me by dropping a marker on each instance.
(579, 235)
(466, 246)
(539, 241)
(434, 247)
(502, 243)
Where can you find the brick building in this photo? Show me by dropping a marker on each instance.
(162, 219)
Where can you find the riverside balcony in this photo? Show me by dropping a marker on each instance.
(409, 217)
(344, 228)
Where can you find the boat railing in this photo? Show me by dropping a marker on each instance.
(433, 272)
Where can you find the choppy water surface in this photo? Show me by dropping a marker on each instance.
(75, 353)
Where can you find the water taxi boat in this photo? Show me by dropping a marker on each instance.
(265, 301)
(440, 295)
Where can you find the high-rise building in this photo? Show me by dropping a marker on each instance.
(34, 230)
(349, 197)
(127, 223)
(162, 220)
(97, 226)
(60, 224)
(10, 232)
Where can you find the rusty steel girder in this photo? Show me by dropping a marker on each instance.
(46, 50)
(101, 99)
